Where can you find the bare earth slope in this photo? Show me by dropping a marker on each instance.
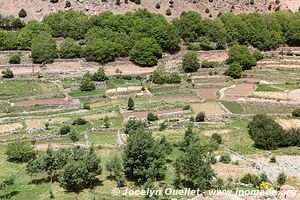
(36, 9)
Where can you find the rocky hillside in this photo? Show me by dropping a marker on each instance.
(36, 9)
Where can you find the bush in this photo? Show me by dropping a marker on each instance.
(209, 64)
(100, 51)
(296, 113)
(68, 4)
(130, 104)
(251, 179)
(281, 179)
(22, 13)
(241, 55)
(43, 48)
(234, 70)
(15, 59)
(168, 12)
(225, 159)
(87, 83)
(7, 73)
(138, 2)
(258, 55)
(99, 75)
(146, 52)
(200, 117)
(20, 151)
(64, 130)
(186, 107)
(79, 121)
(70, 49)
(190, 62)
(152, 117)
(217, 138)
(157, 6)
(273, 159)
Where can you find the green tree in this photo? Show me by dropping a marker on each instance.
(74, 136)
(106, 122)
(99, 75)
(266, 132)
(30, 31)
(193, 168)
(146, 52)
(190, 62)
(116, 171)
(43, 48)
(281, 179)
(234, 70)
(8, 180)
(200, 117)
(130, 104)
(159, 75)
(165, 145)
(217, 138)
(100, 51)
(87, 83)
(152, 117)
(241, 55)
(133, 124)
(189, 138)
(70, 49)
(22, 13)
(143, 159)
(20, 151)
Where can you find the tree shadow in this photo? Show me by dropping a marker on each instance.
(9, 195)
(40, 181)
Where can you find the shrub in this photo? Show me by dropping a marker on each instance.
(152, 117)
(273, 159)
(20, 151)
(296, 113)
(225, 159)
(86, 106)
(22, 13)
(68, 4)
(7, 73)
(168, 12)
(79, 121)
(53, 1)
(64, 130)
(138, 2)
(217, 138)
(200, 117)
(207, 10)
(99, 75)
(146, 51)
(251, 179)
(157, 6)
(281, 179)
(99, 50)
(242, 55)
(209, 64)
(15, 59)
(87, 83)
(43, 48)
(190, 62)
(70, 49)
(234, 70)
(258, 55)
(186, 107)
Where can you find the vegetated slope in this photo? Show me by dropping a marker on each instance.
(36, 9)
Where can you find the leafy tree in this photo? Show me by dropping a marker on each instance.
(99, 75)
(251, 179)
(258, 55)
(11, 22)
(106, 122)
(22, 13)
(296, 112)
(130, 104)
(168, 12)
(143, 159)
(241, 55)
(234, 70)
(74, 136)
(133, 124)
(43, 48)
(159, 75)
(15, 58)
(20, 151)
(190, 26)
(100, 51)
(115, 168)
(32, 30)
(70, 49)
(266, 133)
(7, 73)
(146, 52)
(195, 171)
(8, 40)
(200, 117)
(8, 180)
(87, 83)
(190, 62)
(225, 159)
(217, 138)
(189, 138)
(165, 145)
(79, 121)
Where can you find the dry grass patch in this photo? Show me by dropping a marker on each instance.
(209, 108)
(100, 116)
(10, 127)
(35, 123)
(209, 133)
(289, 123)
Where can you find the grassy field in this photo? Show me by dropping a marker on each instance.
(86, 93)
(25, 88)
(267, 88)
(233, 107)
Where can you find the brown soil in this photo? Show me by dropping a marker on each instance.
(238, 92)
(10, 127)
(56, 101)
(207, 93)
(209, 108)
